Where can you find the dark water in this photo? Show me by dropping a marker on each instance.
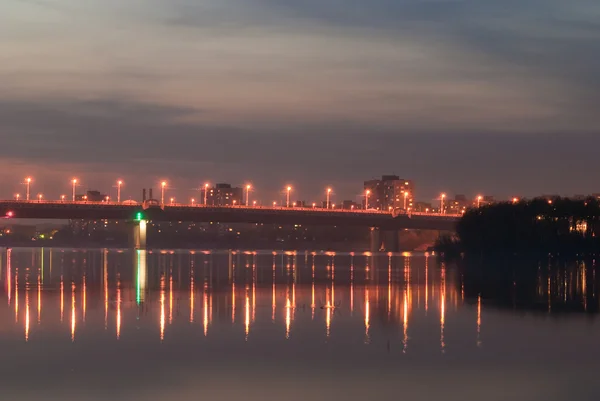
(132, 325)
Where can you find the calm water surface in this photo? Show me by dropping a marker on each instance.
(171, 325)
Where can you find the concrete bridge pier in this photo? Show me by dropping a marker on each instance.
(139, 234)
(384, 240)
(374, 239)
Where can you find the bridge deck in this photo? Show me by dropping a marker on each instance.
(227, 214)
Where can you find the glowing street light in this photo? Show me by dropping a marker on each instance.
(254, 203)
(333, 205)
(248, 194)
(205, 193)
(274, 204)
(479, 199)
(62, 198)
(74, 181)
(107, 198)
(314, 205)
(515, 200)
(442, 197)
(328, 196)
(367, 193)
(17, 196)
(287, 203)
(193, 201)
(28, 184)
(162, 192)
(172, 200)
(40, 196)
(119, 183)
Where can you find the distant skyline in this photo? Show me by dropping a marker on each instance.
(461, 96)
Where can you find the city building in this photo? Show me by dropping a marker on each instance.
(459, 204)
(222, 195)
(349, 205)
(423, 207)
(390, 191)
(91, 196)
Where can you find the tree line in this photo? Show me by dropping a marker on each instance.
(559, 226)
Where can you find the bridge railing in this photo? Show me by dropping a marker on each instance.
(238, 207)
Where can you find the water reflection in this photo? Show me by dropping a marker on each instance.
(395, 292)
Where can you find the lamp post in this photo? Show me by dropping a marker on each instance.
(172, 200)
(119, 183)
(442, 197)
(193, 201)
(74, 185)
(62, 198)
(287, 203)
(17, 196)
(205, 193)
(162, 192)
(40, 196)
(328, 203)
(28, 183)
(367, 193)
(479, 198)
(248, 194)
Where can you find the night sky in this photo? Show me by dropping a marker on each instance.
(473, 96)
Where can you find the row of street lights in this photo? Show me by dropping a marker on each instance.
(247, 188)
(74, 183)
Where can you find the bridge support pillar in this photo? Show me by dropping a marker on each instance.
(391, 241)
(139, 234)
(384, 240)
(375, 239)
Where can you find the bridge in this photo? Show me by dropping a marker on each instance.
(377, 221)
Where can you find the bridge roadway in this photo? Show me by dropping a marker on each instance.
(227, 214)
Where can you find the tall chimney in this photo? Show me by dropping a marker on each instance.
(144, 195)
(150, 194)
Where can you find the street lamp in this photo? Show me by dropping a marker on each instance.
(28, 183)
(287, 203)
(205, 193)
(274, 204)
(172, 200)
(248, 194)
(162, 192)
(40, 196)
(234, 202)
(515, 200)
(17, 196)
(193, 201)
(119, 183)
(479, 199)
(62, 198)
(367, 193)
(314, 205)
(333, 205)
(74, 181)
(442, 197)
(107, 198)
(254, 203)
(328, 196)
